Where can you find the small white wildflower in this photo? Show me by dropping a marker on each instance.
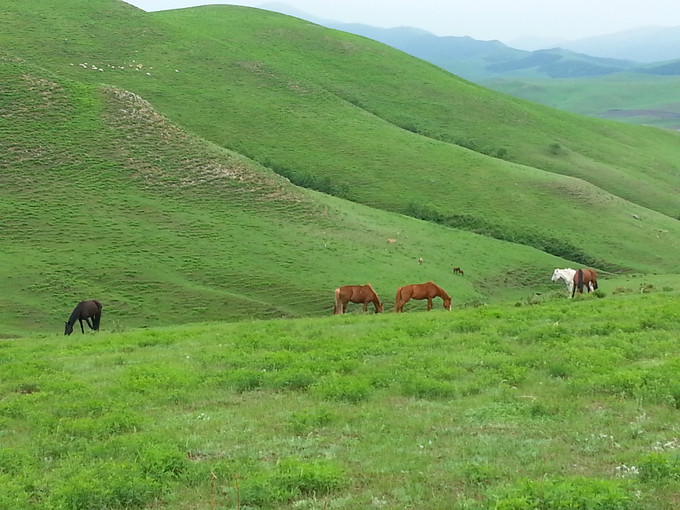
(379, 502)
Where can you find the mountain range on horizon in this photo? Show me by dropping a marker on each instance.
(643, 44)
(630, 76)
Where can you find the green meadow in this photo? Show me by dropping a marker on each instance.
(211, 175)
(553, 404)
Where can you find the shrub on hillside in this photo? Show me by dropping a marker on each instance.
(660, 467)
(567, 494)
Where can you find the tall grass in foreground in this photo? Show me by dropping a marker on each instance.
(565, 404)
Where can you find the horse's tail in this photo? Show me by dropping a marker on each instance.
(338, 304)
(98, 316)
(397, 299)
(579, 281)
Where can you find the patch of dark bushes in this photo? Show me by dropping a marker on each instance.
(553, 245)
(322, 183)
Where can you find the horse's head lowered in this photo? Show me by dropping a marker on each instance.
(447, 304)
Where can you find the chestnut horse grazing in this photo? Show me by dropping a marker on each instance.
(587, 277)
(427, 291)
(457, 270)
(356, 294)
(84, 311)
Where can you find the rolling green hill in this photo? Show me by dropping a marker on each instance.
(103, 196)
(143, 151)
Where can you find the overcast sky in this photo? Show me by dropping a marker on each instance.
(481, 19)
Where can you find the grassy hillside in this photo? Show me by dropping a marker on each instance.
(557, 406)
(355, 118)
(101, 196)
(174, 213)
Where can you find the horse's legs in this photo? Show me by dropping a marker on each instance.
(81, 326)
(429, 304)
(87, 319)
(365, 306)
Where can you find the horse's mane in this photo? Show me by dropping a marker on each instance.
(74, 315)
(374, 292)
(444, 294)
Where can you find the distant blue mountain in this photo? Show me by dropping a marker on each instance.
(481, 60)
(648, 50)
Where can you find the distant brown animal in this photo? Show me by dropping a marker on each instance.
(584, 277)
(84, 311)
(427, 291)
(457, 270)
(356, 294)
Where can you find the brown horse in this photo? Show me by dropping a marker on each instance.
(84, 311)
(356, 294)
(457, 270)
(427, 291)
(587, 277)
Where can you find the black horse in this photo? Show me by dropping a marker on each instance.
(84, 311)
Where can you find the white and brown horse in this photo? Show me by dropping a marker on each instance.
(567, 276)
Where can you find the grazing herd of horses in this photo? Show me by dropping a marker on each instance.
(91, 311)
(577, 279)
(365, 294)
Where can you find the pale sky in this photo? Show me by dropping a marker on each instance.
(481, 19)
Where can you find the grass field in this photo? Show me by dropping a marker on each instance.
(553, 405)
(162, 211)
(211, 176)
